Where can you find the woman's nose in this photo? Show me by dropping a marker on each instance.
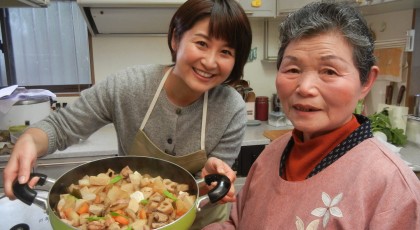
(307, 85)
(209, 60)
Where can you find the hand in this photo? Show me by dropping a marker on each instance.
(215, 165)
(22, 160)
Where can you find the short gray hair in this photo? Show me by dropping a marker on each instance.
(320, 17)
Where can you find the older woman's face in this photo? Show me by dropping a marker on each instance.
(318, 84)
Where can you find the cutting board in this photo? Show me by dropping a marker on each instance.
(273, 134)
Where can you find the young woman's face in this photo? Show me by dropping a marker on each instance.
(318, 83)
(202, 62)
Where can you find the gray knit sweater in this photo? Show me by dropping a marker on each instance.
(123, 99)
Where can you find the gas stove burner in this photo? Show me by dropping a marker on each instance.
(20, 227)
(30, 217)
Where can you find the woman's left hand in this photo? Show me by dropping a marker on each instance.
(215, 165)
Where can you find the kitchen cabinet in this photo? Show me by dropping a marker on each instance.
(259, 8)
(246, 158)
(284, 7)
(24, 3)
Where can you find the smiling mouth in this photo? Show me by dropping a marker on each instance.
(305, 108)
(202, 73)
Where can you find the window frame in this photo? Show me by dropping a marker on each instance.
(7, 48)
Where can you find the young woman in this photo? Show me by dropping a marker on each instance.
(184, 112)
(329, 172)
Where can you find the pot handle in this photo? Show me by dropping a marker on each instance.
(215, 194)
(28, 195)
(221, 189)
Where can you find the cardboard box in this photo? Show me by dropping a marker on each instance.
(250, 110)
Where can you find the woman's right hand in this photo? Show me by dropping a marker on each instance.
(25, 152)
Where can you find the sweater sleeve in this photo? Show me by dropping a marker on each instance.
(227, 125)
(91, 111)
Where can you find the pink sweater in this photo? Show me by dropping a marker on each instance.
(367, 188)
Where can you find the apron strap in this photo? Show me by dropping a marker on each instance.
(152, 104)
(156, 96)
(203, 120)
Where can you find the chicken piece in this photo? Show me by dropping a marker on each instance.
(114, 226)
(147, 192)
(83, 218)
(152, 206)
(156, 197)
(166, 206)
(126, 171)
(145, 181)
(160, 217)
(96, 209)
(119, 204)
(96, 225)
(140, 225)
(131, 214)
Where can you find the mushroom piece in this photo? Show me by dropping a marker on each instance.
(119, 204)
(160, 217)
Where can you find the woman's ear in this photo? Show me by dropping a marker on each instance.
(373, 74)
(174, 42)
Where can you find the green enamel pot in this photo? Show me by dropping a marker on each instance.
(144, 165)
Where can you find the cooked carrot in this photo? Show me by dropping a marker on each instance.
(67, 212)
(122, 220)
(180, 212)
(142, 214)
(84, 208)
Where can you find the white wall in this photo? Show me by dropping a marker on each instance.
(111, 54)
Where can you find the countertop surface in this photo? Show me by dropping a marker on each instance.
(104, 142)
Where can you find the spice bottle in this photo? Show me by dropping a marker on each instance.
(261, 108)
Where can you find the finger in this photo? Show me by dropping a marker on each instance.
(9, 175)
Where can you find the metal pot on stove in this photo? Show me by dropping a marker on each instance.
(16, 215)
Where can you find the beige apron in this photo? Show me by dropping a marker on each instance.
(193, 162)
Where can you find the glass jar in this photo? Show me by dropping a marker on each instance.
(261, 108)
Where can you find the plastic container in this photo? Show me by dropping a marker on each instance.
(15, 132)
(261, 108)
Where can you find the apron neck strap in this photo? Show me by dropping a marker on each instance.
(156, 96)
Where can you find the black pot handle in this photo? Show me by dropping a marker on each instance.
(26, 194)
(221, 189)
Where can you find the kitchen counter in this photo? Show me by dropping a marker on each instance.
(411, 154)
(104, 142)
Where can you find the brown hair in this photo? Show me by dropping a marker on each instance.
(228, 21)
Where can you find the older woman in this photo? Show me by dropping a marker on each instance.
(328, 173)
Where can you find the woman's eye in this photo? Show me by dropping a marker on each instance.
(330, 72)
(228, 52)
(292, 70)
(201, 43)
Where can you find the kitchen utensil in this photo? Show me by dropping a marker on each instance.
(28, 110)
(276, 103)
(388, 94)
(400, 95)
(417, 105)
(250, 97)
(144, 165)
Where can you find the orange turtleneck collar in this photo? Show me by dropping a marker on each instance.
(305, 156)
